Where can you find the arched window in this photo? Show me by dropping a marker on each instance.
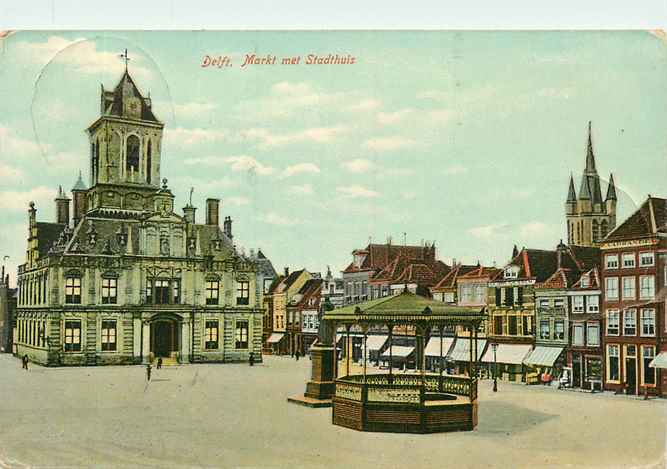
(132, 154)
(148, 163)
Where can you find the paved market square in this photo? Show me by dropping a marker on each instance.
(236, 416)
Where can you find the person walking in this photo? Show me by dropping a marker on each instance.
(251, 359)
(148, 372)
(25, 360)
(159, 363)
(296, 355)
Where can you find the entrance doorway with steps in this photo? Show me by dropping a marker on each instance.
(165, 340)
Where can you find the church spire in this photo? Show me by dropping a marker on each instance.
(571, 194)
(611, 188)
(590, 157)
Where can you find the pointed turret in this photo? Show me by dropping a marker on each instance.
(571, 194)
(611, 188)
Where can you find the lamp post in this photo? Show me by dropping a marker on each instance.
(494, 347)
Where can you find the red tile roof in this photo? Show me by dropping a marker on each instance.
(647, 221)
(379, 255)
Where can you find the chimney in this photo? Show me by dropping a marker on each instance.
(189, 214)
(227, 227)
(80, 201)
(286, 271)
(559, 254)
(213, 212)
(62, 207)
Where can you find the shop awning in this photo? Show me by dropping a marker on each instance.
(275, 337)
(460, 352)
(660, 361)
(543, 356)
(375, 342)
(509, 354)
(398, 351)
(433, 347)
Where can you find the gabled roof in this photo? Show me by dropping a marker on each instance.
(647, 221)
(480, 272)
(377, 256)
(585, 257)
(562, 278)
(311, 288)
(593, 280)
(449, 279)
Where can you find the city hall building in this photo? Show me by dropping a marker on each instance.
(126, 279)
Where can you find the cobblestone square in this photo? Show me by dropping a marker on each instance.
(236, 416)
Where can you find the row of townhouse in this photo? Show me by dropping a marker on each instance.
(292, 308)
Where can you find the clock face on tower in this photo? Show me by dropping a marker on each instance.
(132, 107)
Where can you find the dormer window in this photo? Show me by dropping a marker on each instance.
(585, 281)
(511, 272)
(359, 260)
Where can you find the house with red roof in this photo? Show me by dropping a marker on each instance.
(634, 282)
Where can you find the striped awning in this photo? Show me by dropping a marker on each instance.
(275, 337)
(660, 361)
(543, 356)
(460, 352)
(509, 354)
(398, 351)
(433, 347)
(375, 342)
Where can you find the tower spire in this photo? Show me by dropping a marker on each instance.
(590, 157)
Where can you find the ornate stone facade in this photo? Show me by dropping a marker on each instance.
(128, 279)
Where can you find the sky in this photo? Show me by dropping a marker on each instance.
(467, 139)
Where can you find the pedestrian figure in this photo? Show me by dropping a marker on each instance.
(159, 363)
(251, 359)
(25, 361)
(296, 355)
(148, 372)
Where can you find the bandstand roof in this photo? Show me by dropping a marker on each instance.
(406, 308)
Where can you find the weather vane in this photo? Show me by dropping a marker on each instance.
(126, 58)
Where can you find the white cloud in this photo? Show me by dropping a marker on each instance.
(288, 88)
(193, 109)
(456, 169)
(305, 189)
(315, 135)
(19, 200)
(12, 146)
(83, 56)
(248, 163)
(487, 231)
(356, 191)
(365, 105)
(534, 228)
(388, 143)
(358, 165)
(236, 200)
(408, 195)
(394, 117)
(9, 172)
(439, 116)
(300, 168)
(273, 218)
(187, 137)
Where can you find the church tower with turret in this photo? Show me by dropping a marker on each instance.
(589, 216)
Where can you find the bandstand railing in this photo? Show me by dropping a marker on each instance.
(408, 388)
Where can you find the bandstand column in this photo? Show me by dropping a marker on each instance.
(391, 356)
(471, 363)
(440, 362)
(365, 329)
(347, 351)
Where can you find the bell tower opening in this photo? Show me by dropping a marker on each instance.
(148, 163)
(132, 156)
